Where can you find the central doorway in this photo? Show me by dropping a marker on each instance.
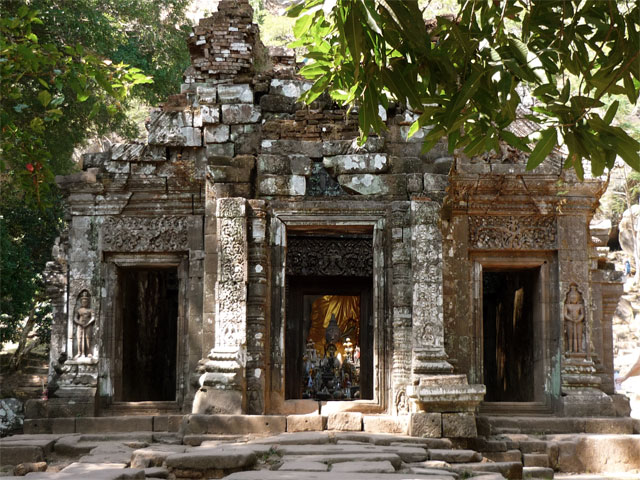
(329, 326)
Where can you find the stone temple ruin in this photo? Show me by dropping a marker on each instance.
(252, 258)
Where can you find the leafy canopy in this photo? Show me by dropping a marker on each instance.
(471, 76)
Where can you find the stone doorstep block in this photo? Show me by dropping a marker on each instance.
(462, 425)
(425, 424)
(234, 424)
(508, 456)
(114, 424)
(37, 425)
(16, 454)
(537, 473)
(510, 470)
(535, 460)
(345, 421)
(609, 425)
(385, 424)
(305, 423)
(167, 423)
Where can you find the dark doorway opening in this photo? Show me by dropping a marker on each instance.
(510, 306)
(329, 316)
(324, 364)
(149, 300)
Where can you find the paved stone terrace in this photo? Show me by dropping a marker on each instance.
(194, 452)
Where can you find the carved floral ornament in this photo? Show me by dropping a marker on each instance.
(330, 256)
(145, 234)
(521, 232)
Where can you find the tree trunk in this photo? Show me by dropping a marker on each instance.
(23, 349)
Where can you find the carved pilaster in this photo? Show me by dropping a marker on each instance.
(223, 385)
(401, 297)
(434, 387)
(257, 307)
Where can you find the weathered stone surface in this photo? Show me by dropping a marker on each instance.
(220, 149)
(293, 475)
(435, 183)
(11, 415)
(303, 466)
(156, 472)
(424, 424)
(455, 456)
(304, 423)
(207, 114)
(216, 133)
(154, 456)
(289, 88)
(459, 425)
(15, 454)
(236, 93)
(114, 424)
(109, 452)
(297, 438)
(24, 468)
(363, 467)
(272, 185)
(510, 470)
(508, 456)
(233, 424)
(598, 453)
(207, 94)
(174, 129)
(385, 424)
(368, 184)
(288, 147)
(220, 458)
(335, 458)
(530, 473)
(363, 163)
(349, 421)
(241, 113)
(277, 103)
(535, 460)
(346, 147)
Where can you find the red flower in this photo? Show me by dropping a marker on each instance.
(29, 167)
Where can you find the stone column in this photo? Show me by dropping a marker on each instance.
(435, 388)
(223, 385)
(581, 387)
(401, 305)
(257, 307)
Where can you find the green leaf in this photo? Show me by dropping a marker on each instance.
(302, 25)
(44, 97)
(514, 141)
(543, 148)
(611, 112)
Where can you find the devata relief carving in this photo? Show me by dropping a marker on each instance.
(573, 314)
(330, 256)
(531, 232)
(145, 234)
(83, 321)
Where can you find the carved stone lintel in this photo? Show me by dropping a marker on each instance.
(530, 232)
(145, 234)
(330, 256)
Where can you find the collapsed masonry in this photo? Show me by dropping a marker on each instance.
(252, 258)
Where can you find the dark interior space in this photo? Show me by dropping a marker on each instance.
(509, 307)
(149, 327)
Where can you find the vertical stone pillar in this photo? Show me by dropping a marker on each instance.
(401, 306)
(581, 387)
(223, 385)
(257, 307)
(449, 398)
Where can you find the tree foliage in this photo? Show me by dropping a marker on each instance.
(68, 71)
(470, 76)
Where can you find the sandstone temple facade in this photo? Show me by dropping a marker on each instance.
(252, 258)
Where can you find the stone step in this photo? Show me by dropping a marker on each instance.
(535, 460)
(297, 475)
(554, 425)
(362, 467)
(455, 456)
(537, 473)
(332, 459)
(508, 456)
(510, 470)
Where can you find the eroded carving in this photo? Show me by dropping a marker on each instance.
(330, 256)
(83, 321)
(231, 324)
(145, 234)
(573, 314)
(530, 232)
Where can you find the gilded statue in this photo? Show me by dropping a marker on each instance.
(83, 320)
(573, 314)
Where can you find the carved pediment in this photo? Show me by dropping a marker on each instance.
(145, 234)
(512, 232)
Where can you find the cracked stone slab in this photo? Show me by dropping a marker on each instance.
(455, 456)
(392, 458)
(154, 456)
(363, 467)
(280, 475)
(303, 466)
(217, 458)
(308, 438)
(407, 454)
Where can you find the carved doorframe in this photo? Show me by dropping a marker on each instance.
(313, 219)
(544, 325)
(111, 362)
